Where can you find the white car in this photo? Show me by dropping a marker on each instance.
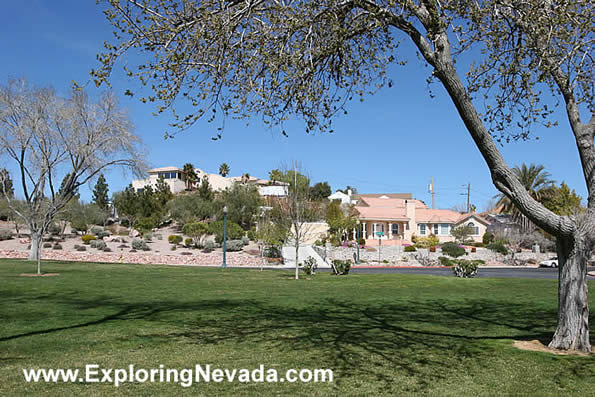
(552, 262)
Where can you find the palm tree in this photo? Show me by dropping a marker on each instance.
(191, 176)
(224, 169)
(245, 178)
(536, 181)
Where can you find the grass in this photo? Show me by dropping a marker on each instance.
(381, 334)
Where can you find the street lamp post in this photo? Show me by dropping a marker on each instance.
(357, 241)
(224, 265)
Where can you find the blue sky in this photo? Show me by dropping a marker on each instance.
(394, 141)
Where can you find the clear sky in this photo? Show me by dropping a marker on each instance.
(394, 141)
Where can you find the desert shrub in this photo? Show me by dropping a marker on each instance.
(309, 266)
(47, 245)
(209, 246)
(123, 246)
(148, 236)
(140, 245)
(107, 249)
(81, 248)
(158, 236)
(452, 249)
(57, 246)
(96, 230)
(188, 242)
(445, 261)
(251, 235)
(93, 243)
(487, 238)
(318, 243)
(465, 269)
(499, 247)
(385, 261)
(426, 242)
(87, 238)
(174, 239)
(234, 231)
(76, 246)
(404, 259)
(132, 250)
(54, 229)
(101, 235)
(100, 244)
(5, 235)
(272, 252)
(245, 240)
(409, 248)
(173, 248)
(234, 245)
(186, 253)
(341, 267)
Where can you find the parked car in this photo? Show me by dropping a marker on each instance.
(552, 262)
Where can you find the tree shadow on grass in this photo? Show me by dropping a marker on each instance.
(420, 340)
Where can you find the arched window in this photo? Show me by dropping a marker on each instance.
(474, 228)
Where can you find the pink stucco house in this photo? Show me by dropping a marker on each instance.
(399, 216)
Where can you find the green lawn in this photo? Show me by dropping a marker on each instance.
(381, 334)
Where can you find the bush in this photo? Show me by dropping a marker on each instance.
(132, 250)
(148, 236)
(445, 261)
(409, 248)
(362, 241)
(234, 231)
(186, 253)
(107, 249)
(465, 269)
(318, 243)
(487, 238)
(309, 267)
(123, 246)
(341, 267)
(47, 245)
(174, 239)
(234, 245)
(5, 235)
(209, 246)
(81, 248)
(76, 246)
(100, 244)
(245, 240)
(54, 229)
(272, 252)
(251, 235)
(452, 249)
(87, 238)
(426, 242)
(140, 245)
(96, 230)
(101, 235)
(173, 248)
(57, 246)
(499, 247)
(158, 236)
(188, 242)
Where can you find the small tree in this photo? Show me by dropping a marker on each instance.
(205, 192)
(6, 187)
(189, 208)
(44, 134)
(243, 204)
(100, 191)
(462, 233)
(320, 191)
(224, 169)
(195, 231)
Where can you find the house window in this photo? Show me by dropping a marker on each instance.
(444, 228)
(422, 229)
(395, 228)
(435, 228)
(474, 228)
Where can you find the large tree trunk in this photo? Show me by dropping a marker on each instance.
(35, 252)
(572, 332)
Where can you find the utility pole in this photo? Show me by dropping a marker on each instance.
(468, 197)
(431, 190)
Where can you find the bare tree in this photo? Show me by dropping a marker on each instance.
(47, 136)
(309, 58)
